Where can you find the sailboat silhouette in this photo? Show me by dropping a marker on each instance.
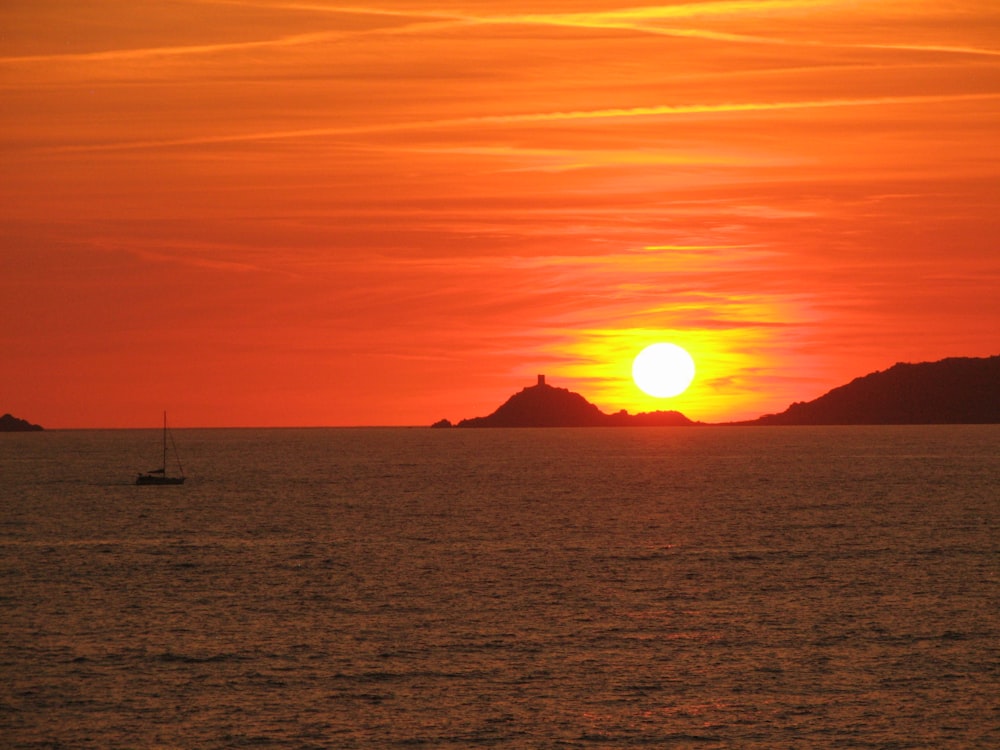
(159, 476)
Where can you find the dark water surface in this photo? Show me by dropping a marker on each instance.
(588, 588)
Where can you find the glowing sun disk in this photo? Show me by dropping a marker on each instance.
(663, 370)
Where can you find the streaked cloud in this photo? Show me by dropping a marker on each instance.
(539, 117)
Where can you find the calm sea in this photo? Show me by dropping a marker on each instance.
(589, 588)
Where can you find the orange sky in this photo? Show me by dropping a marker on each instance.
(308, 213)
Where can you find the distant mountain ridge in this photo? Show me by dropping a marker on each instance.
(9, 423)
(958, 390)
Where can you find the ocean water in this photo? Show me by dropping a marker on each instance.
(774, 587)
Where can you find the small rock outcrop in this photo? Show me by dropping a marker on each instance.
(9, 423)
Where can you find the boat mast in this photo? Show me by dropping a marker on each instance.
(177, 456)
(164, 464)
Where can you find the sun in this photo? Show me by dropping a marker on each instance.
(663, 370)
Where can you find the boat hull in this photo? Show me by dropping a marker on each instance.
(152, 479)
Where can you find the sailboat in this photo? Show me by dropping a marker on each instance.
(159, 476)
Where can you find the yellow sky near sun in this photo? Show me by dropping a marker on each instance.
(386, 214)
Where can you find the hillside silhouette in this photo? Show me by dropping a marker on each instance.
(959, 390)
(542, 405)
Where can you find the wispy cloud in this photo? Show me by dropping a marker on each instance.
(125, 55)
(647, 20)
(665, 110)
(943, 48)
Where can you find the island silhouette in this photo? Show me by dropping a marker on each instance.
(543, 405)
(957, 390)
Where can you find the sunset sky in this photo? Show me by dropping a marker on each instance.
(313, 213)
